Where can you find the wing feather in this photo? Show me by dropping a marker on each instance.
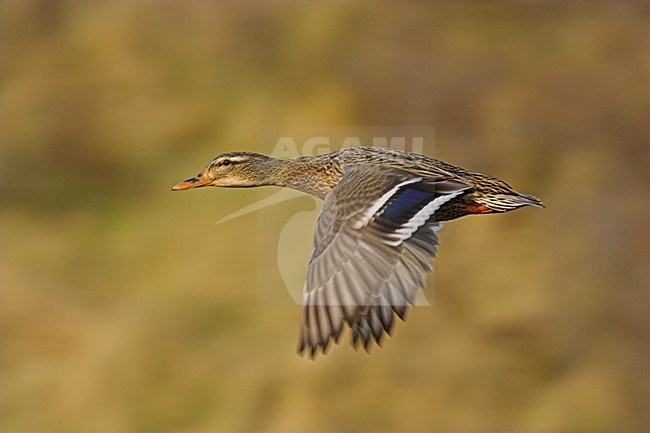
(373, 247)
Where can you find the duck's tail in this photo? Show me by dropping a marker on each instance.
(506, 202)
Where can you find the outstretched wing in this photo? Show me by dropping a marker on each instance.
(373, 248)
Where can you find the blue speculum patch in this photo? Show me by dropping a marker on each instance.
(406, 203)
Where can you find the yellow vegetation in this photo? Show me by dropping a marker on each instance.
(124, 308)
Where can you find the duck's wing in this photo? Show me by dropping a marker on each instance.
(373, 248)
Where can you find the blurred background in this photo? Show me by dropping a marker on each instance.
(125, 308)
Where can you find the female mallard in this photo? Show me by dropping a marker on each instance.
(376, 234)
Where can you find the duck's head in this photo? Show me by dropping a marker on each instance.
(233, 169)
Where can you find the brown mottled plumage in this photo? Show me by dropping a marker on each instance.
(376, 235)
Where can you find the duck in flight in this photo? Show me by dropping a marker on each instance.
(375, 237)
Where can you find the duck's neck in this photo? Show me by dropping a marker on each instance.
(315, 175)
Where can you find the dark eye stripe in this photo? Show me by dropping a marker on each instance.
(227, 162)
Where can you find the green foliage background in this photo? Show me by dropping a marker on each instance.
(124, 308)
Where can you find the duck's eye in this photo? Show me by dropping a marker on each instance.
(226, 162)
